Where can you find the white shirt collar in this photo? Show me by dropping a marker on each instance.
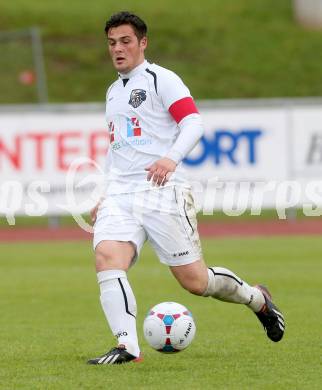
(134, 71)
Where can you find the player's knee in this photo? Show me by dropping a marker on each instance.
(111, 255)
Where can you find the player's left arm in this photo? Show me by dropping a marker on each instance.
(185, 113)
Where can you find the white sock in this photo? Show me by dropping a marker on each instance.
(226, 286)
(119, 306)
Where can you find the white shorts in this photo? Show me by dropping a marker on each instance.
(165, 217)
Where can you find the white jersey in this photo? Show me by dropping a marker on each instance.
(143, 109)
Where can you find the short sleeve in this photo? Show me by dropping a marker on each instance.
(176, 97)
(172, 89)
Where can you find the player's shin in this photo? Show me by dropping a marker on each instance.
(226, 286)
(119, 306)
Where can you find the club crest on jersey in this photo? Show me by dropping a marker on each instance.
(137, 97)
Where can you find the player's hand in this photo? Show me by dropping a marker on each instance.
(93, 212)
(160, 171)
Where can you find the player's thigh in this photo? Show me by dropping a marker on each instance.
(172, 228)
(118, 237)
(193, 277)
(114, 255)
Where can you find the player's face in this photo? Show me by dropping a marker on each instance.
(125, 49)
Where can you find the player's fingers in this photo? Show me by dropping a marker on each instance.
(161, 178)
(156, 176)
(151, 173)
(166, 178)
(164, 181)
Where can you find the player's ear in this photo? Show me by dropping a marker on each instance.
(144, 43)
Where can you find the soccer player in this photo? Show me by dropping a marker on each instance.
(153, 124)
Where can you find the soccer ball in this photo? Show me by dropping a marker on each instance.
(169, 327)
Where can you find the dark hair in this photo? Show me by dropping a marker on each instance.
(140, 28)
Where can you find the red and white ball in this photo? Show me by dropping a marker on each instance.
(169, 327)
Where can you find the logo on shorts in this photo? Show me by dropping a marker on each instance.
(122, 333)
(137, 97)
(181, 254)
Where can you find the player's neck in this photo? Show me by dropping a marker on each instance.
(135, 70)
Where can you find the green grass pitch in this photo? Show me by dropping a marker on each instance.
(51, 321)
(221, 49)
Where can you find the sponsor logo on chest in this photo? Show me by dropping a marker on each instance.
(133, 127)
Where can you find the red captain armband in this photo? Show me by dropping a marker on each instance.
(183, 107)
